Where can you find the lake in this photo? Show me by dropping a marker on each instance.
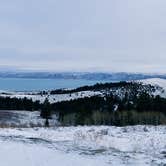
(21, 84)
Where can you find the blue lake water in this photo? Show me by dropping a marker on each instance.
(21, 84)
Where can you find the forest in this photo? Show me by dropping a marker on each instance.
(111, 110)
(135, 105)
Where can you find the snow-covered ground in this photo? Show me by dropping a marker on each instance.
(84, 146)
(160, 85)
(13, 118)
(51, 98)
(156, 82)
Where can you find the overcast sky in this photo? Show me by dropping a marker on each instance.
(83, 35)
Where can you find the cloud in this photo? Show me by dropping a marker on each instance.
(60, 35)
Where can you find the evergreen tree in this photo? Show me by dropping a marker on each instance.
(46, 110)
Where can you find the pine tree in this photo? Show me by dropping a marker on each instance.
(46, 110)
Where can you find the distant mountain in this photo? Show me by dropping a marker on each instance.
(86, 76)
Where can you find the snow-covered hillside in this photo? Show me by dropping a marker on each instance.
(155, 82)
(13, 118)
(90, 146)
(51, 98)
(160, 85)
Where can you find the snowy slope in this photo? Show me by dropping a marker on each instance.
(90, 146)
(13, 118)
(19, 154)
(155, 82)
(160, 85)
(52, 98)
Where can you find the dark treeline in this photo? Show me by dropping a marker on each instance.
(96, 87)
(111, 110)
(7, 103)
(97, 110)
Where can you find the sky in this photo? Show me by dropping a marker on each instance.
(83, 35)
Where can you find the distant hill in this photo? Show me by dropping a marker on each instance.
(86, 76)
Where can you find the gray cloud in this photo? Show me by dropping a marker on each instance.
(82, 35)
